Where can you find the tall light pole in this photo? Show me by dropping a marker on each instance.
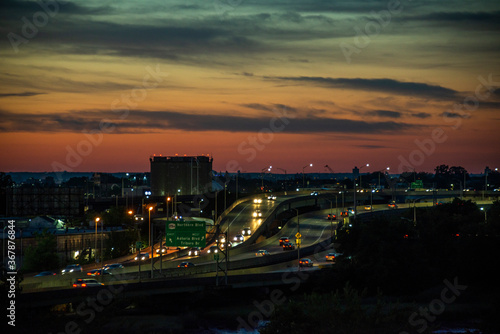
(343, 202)
(166, 202)
(485, 215)
(379, 172)
(371, 197)
(102, 235)
(303, 177)
(263, 172)
(298, 243)
(96, 220)
(360, 183)
(149, 214)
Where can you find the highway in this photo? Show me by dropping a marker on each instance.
(314, 228)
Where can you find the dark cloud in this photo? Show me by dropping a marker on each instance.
(384, 113)
(390, 86)
(448, 114)
(371, 146)
(14, 9)
(421, 115)
(23, 94)
(142, 121)
(462, 20)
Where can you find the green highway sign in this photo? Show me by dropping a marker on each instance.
(185, 234)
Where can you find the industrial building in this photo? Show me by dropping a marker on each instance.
(181, 175)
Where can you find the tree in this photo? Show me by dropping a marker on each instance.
(337, 313)
(43, 255)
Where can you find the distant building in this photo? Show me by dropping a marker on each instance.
(45, 201)
(181, 175)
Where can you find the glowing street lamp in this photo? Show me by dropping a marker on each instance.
(360, 183)
(379, 172)
(168, 200)
(303, 177)
(149, 214)
(97, 219)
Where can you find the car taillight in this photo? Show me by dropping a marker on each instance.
(89, 274)
(74, 285)
(84, 285)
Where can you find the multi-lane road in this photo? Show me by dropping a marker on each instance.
(314, 228)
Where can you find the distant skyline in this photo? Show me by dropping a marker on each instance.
(102, 85)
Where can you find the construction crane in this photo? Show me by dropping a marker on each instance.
(328, 167)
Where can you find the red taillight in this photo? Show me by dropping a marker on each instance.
(84, 285)
(89, 274)
(74, 285)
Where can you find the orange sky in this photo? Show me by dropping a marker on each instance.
(252, 85)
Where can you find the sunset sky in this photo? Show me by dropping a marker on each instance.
(104, 85)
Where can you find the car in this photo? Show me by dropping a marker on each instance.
(350, 211)
(271, 197)
(330, 257)
(161, 250)
(392, 206)
(46, 273)
(229, 244)
(212, 250)
(314, 193)
(344, 213)
(262, 252)
(305, 263)
(138, 218)
(113, 266)
(257, 213)
(85, 282)
(142, 256)
(331, 216)
(195, 251)
(98, 272)
(72, 268)
(368, 207)
(288, 246)
(257, 200)
(239, 238)
(246, 231)
(284, 240)
(185, 265)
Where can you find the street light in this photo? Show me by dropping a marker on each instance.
(149, 214)
(168, 200)
(485, 215)
(360, 183)
(303, 177)
(262, 175)
(102, 235)
(97, 219)
(379, 172)
(298, 239)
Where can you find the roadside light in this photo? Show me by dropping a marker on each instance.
(130, 212)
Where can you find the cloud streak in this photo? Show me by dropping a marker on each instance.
(142, 121)
(23, 94)
(385, 85)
